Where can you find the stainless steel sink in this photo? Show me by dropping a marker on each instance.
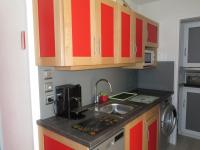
(116, 109)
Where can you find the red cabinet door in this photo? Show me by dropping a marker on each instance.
(139, 37)
(153, 135)
(125, 34)
(107, 30)
(136, 136)
(51, 144)
(46, 28)
(81, 28)
(152, 33)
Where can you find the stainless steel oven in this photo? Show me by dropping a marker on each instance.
(192, 79)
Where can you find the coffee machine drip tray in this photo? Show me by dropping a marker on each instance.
(94, 125)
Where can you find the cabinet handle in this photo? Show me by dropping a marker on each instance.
(94, 46)
(185, 52)
(147, 130)
(184, 103)
(23, 39)
(136, 49)
(99, 45)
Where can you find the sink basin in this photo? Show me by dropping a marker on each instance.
(116, 109)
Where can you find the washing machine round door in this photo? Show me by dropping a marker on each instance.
(168, 120)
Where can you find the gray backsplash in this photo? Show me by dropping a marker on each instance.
(121, 80)
(160, 78)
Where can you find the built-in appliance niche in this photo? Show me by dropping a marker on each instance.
(191, 44)
(190, 109)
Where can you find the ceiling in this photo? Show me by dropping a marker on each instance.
(139, 2)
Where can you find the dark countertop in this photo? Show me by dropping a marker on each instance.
(63, 127)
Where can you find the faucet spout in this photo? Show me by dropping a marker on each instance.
(96, 90)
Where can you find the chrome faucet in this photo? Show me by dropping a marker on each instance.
(96, 101)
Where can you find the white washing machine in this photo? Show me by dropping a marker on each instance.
(168, 121)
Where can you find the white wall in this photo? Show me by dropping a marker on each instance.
(168, 14)
(132, 4)
(15, 103)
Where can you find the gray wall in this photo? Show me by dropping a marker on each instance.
(121, 80)
(159, 78)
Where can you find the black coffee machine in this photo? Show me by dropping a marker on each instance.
(68, 100)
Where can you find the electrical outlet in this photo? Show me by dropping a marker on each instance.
(50, 99)
(47, 74)
(48, 87)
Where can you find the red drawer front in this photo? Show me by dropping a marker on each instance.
(152, 143)
(125, 29)
(136, 137)
(152, 33)
(81, 34)
(46, 28)
(51, 144)
(107, 31)
(139, 37)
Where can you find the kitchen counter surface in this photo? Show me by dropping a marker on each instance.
(64, 126)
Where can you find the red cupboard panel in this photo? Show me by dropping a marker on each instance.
(81, 37)
(107, 30)
(46, 28)
(152, 143)
(139, 37)
(125, 29)
(152, 33)
(51, 144)
(136, 136)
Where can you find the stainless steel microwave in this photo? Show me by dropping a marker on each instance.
(149, 57)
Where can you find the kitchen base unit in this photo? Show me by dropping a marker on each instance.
(138, 129)
(143, 132)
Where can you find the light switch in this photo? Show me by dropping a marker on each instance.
(47, 74)
(48, 87)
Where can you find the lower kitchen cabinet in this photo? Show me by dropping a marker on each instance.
(152, 134)
(152, 119)
(134, 134)
(142, 133)
(51, 144)
(52, 141)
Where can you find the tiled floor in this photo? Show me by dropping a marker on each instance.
(185, 143)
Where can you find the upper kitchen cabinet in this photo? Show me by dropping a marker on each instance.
(106, 30)
(151, 33)
(145, 43)
(139, 37)
(65, 32)
(125, 34)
